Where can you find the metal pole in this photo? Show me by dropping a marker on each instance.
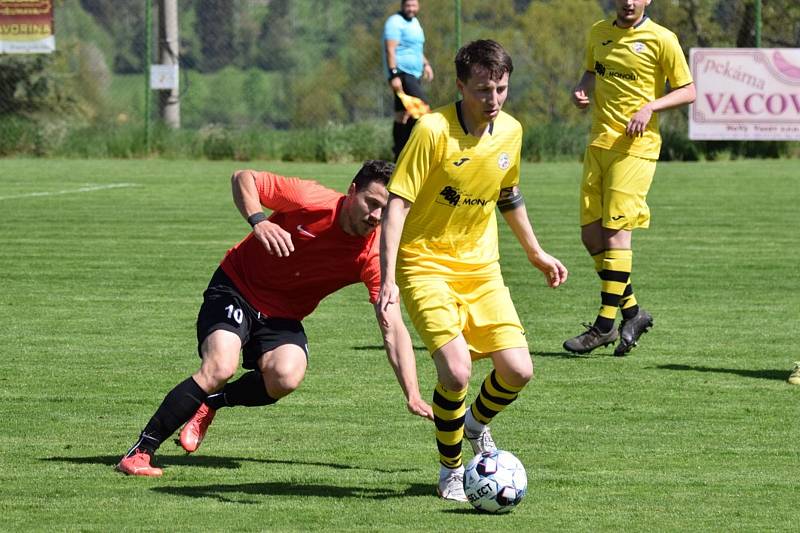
(148, 54)
(169, 104)
(758, 23)
(458, 23)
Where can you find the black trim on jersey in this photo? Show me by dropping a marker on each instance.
(644, 18)
(461, 120)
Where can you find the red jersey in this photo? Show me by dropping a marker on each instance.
(324, 260)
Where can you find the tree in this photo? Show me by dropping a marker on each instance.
(123, 22)
(215, 31)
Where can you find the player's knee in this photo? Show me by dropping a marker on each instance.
(283, 379)
(521, 376)
(457, 377)
(280, 386)
(516, 373)
(216, 371)
(221, 373)
(212, 378)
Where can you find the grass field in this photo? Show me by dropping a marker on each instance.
(103, 265)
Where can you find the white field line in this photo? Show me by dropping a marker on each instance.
(87, 188)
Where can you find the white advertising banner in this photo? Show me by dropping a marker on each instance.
(745, 94)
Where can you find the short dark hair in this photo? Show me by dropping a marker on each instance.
(486, 54)
(373, 170)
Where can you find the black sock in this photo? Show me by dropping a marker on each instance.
(249, 390)
(177, 408)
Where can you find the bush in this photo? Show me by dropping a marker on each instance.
(18, 135)
(552, 142)
(676, 146)
(217, 143)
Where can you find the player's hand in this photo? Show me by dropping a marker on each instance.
(427, 72)
(421, 408)
(554, 272)
(275, 239)
(638, 123)
(580, 98)
(396, 84)
(389, 295)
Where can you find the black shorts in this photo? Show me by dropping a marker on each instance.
(412, 87)
(224, 308)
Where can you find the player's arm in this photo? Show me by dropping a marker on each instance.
(400, 353)
(394, 218)
(391, 64)
(512, 206)
(675, 98)
(427, 69)
(582, 91)
(275, 239)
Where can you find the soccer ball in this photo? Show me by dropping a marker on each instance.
(495, 482)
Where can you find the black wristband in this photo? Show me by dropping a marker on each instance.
(255, 218)
(393, 73)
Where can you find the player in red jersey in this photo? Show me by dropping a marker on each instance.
(315, 242)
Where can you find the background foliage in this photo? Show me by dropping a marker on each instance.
(254, 66)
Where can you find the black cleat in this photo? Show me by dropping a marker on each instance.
(590, 339)
(630, 331)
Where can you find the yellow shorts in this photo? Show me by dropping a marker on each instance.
(614, 189)
(480, 309)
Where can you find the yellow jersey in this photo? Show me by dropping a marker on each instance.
(453, 180)
(631, 67)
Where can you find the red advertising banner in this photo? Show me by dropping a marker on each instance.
(26, 27)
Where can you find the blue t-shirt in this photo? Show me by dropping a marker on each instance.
(410, 40)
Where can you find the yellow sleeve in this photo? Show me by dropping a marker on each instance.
(589, 58)
(674, 63)
(415, 161)
(512, 176)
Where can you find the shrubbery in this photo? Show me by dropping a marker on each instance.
(51, 137)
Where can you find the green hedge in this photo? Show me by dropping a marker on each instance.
(56, 137)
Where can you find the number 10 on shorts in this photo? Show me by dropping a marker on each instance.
(234, 313)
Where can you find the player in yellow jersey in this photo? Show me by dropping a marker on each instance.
(629, 59)
(439, 250)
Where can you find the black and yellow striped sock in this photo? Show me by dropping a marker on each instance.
(495, 396)
(598, 259)
(615, 274)
(448, 416)
(627, 304)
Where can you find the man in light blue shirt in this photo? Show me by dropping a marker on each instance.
(406, 65)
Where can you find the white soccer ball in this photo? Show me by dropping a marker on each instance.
(495, 482)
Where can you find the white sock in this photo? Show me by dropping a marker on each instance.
(470, 424)
(444, 471)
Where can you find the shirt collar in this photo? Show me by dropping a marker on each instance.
(460, 115)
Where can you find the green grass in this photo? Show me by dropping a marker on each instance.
(696, 430)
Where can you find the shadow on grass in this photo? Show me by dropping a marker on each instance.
(379, 347)
(779, 375)
(565, 355)
(239, 492)
(204, 461)
(469, 511)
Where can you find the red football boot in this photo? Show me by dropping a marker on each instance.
(195, 429)
(137, 463)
